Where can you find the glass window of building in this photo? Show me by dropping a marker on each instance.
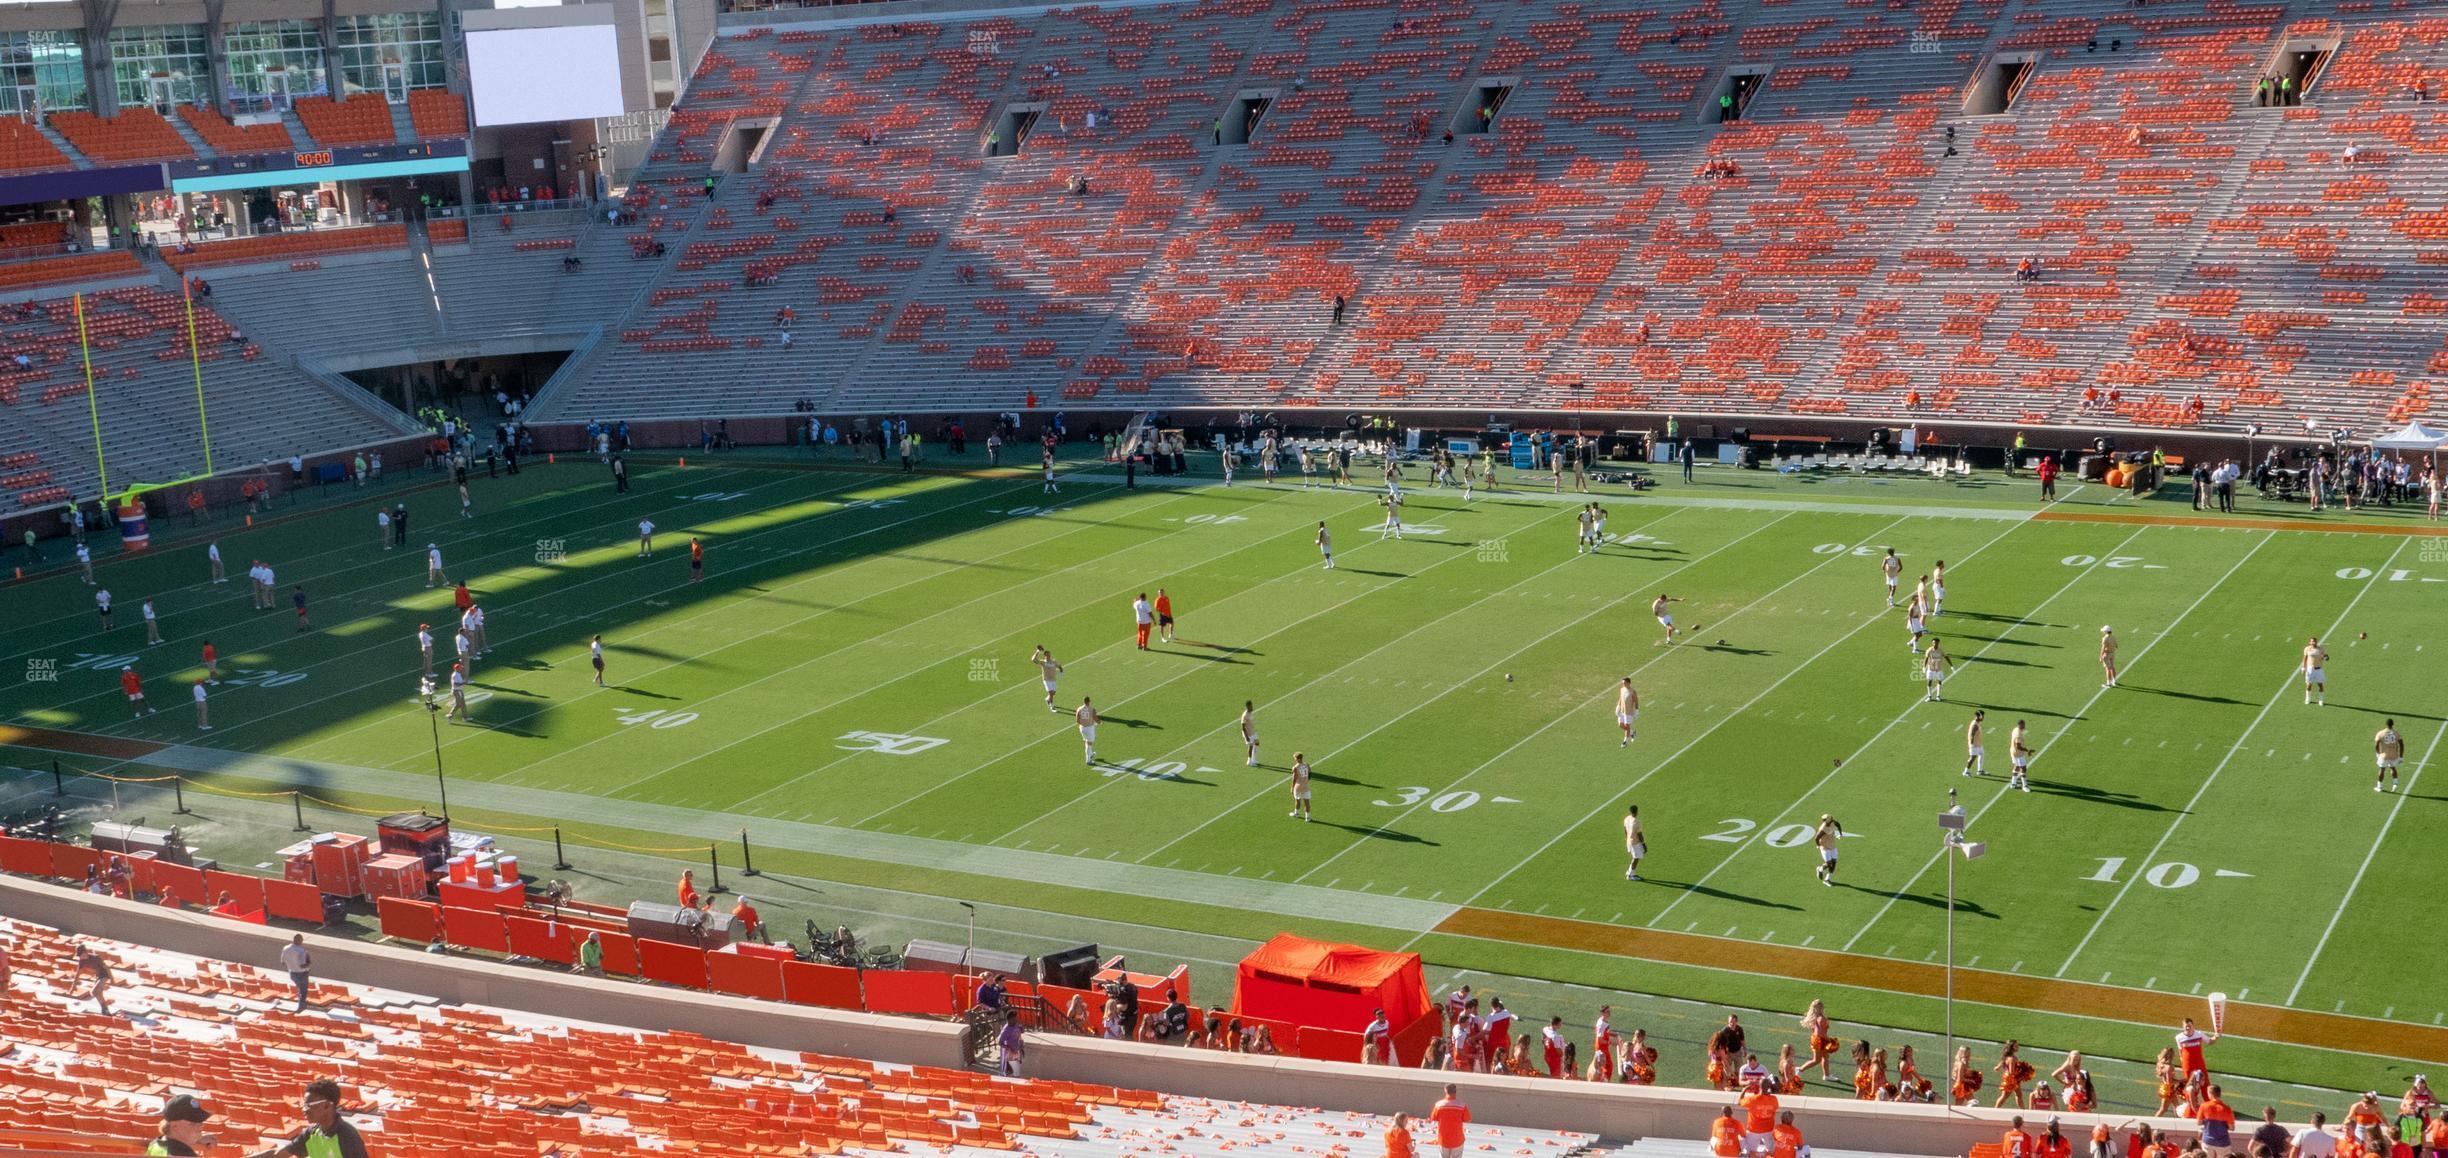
(41, 71)
(161, 66)
(273, 62)
(390, 53)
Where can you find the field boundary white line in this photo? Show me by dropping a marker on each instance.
(2152, 857)
(1855, 756)
(2064, 729)
(1454, 687)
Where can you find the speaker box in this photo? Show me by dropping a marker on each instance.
(944, 957)
(1069, 968)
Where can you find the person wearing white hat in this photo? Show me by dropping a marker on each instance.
(2107, 657)
(433, 566)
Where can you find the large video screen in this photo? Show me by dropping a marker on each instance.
(520, 76)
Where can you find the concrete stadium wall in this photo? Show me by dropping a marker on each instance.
(477, 981)
(1616, 1112)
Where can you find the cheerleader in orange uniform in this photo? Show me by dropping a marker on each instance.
(1909, 1081)
(2012, 1072)
(2167, 1083)
(1644, 1063)
(1964, 1078)
(2043, 1099)
(1788, 1078)
(1823, 1044)
(1865, 1079)
(2080, 1098)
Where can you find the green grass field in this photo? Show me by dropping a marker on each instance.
(851, 684)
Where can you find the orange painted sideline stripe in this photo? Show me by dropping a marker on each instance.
(80, 743)
(1986, 986)
(2138, 518)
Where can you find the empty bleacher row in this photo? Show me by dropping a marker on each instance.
(430, 1077)
(143, 386)
(1848, 247)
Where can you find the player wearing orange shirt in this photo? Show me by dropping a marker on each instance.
(134, 687)
(1164, 616)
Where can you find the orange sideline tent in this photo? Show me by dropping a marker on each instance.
(1319, 983)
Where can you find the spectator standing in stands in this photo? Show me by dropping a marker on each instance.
(590, 955)
(182, 1126)
(298, 964)
(1338, 309)
(688, 888)
(2270, 1135)
(327, 1134)
(1008, 1042)
(1450, 1116)
(89, 960)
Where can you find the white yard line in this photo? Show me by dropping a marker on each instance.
(197, 546)
(2063, 730)
(1891, 725)
(1678, 753)
(2152, 857)
(2365, 867)
(1304, 568)
(914, 671)
(1576, 710)
(563, 593)
(764, 630)
(1466, 681)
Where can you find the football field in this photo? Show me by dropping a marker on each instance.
(850, 683)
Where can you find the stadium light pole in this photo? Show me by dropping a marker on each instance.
(433, 717)
(970, 950)
(1951, 825)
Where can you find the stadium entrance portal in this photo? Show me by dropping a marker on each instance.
(465, 387)
(2000, 82)
(2302, 62)
(1006, 133)
(1486, 103)
(1733, 96)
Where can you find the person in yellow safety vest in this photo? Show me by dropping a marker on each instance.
(327, 1135)
(182, 1126)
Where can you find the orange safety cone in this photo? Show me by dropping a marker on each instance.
(549, 460)
(250, 520)
(684, 460)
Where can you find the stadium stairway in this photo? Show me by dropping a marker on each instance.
(377, 312)
(503, 286)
